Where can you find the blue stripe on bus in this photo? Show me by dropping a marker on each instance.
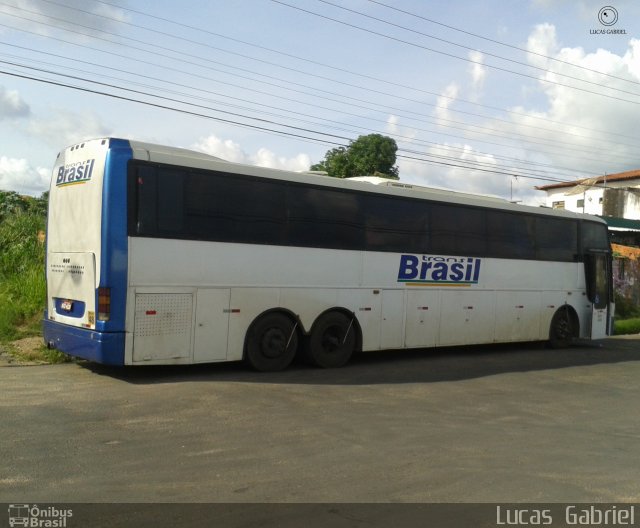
(113, 265)
(101, 347)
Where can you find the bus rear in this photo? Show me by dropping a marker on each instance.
(87, 251)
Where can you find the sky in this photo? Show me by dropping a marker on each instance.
(487, 97)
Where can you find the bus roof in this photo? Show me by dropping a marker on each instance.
(386, 182)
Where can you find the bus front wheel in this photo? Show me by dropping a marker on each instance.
(564, 328)
(332, 341)
(271, 343)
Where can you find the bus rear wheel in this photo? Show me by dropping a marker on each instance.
(333, 340)
(272, 342)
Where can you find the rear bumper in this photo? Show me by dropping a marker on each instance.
(106, 348)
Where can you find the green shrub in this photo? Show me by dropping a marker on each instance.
(626, 308)
(55, 356)
(22, 278)
(9, 314)
(627, 326)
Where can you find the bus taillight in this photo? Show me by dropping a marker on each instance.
(104, 304)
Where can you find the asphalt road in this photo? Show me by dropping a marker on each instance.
(498, 424)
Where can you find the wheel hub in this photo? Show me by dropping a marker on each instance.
(274, 343)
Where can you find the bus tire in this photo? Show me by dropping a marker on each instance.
(564, 328)
(333, 340)
(271, 343)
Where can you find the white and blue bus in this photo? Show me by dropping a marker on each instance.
(158, 255)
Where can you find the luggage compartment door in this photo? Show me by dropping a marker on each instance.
(212, 325)
(163, 327)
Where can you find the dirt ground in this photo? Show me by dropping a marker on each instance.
(27, 351)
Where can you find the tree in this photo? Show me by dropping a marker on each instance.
(335, 163)
(12, 203)
(372, 155)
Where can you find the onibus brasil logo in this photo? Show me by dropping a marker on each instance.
(38, 517)
(434, 270)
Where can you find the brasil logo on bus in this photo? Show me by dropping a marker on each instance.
(430, 270)
(75, 173)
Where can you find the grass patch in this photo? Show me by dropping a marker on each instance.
(22, 277)
(8, 314)
(22, 280)
(627, 326)
(31, 350)
(54, 356)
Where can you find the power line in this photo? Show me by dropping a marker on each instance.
(255, 127)
(262, 110)
(416, 45)
(484, 140)
(426, 158)
(488, 39)
(473, 49)
(365, 88)
(354, 101)
(235, 114)
(192, 28)
(373, 107)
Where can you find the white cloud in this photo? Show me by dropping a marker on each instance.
(400, 133)
(12, 105)
(232, 151)
(17, 175)
(564, 127)
(392, 124)
(632, 58)
(478, 72)
(226, 149)
(448, 97)
(568, 128)
(591, 123)
(585, 9)
(65, 128)
(450, 176)
(78, 13)
(266, 158)
(542, 41)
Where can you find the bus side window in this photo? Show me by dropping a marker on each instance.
(395, 225)
(511, 235)
(557, 239)
(146, 206)
(225, 208)
(458, 230)
(170, 201)
(159, 201)
(324, 218)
